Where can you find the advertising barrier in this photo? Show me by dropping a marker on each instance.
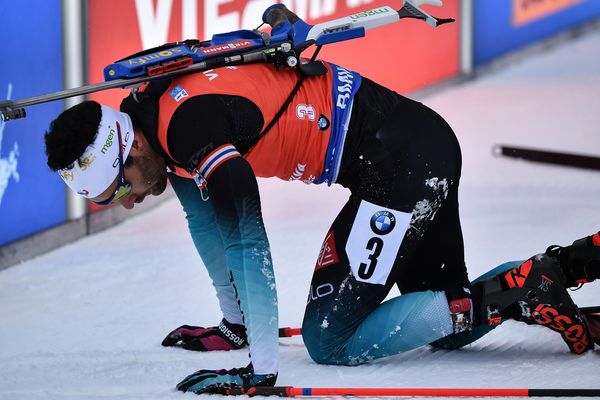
(503, 26)
(32, 198)
(404, 56)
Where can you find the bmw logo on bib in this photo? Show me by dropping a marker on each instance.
(383, 222)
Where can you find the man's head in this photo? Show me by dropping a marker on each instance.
(97, 153)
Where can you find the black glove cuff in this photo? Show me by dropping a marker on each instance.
(250, 379)
(233, 333)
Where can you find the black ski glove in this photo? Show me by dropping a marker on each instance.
(217, 382)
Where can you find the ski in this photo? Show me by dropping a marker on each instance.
(549, 157)
(289, 37)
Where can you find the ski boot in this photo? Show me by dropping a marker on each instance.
(580, 262)
(535, 292)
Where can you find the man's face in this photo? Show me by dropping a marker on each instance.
(146, 173)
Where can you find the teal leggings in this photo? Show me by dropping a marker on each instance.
(400, 324)
(456, 341)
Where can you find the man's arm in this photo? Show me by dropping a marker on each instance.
(207, 239)
(201, 136)
(234, 193)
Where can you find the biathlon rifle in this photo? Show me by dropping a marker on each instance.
(289, 37)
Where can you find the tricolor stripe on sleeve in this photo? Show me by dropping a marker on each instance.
(216, 158)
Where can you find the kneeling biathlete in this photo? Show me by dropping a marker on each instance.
(400, 226)
(212, 133)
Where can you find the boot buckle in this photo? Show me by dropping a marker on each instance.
(493, 315)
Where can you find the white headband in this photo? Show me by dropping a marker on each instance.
(98, 166)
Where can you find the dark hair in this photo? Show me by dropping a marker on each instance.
(71, 133)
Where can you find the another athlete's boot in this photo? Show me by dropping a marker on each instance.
(535, 292)
(580, 261)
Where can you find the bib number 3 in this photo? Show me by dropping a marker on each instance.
(374, 241)
(365, 271)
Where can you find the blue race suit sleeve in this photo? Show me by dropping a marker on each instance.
(234, 194)
(207, 239)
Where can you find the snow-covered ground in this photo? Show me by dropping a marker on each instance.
(86, 320)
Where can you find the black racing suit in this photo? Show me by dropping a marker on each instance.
(399, 156)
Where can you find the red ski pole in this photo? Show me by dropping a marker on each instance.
(290, 391)
(289, 332)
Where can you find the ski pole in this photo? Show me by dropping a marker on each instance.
(289, 332)
(549, 157)
(290, 391)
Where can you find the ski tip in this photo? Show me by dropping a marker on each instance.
(498, 150)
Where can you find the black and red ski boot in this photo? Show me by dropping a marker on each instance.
(535, 292)
(580, 261)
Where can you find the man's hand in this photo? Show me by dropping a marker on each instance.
(217, 382)
(226, 336)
